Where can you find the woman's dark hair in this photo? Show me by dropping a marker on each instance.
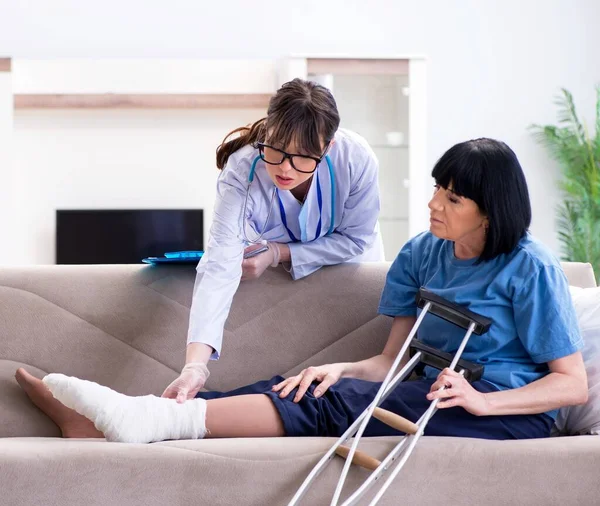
(488, 172)
(302, 111)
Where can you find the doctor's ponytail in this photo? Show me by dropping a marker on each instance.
(300, 111)
(248, 135)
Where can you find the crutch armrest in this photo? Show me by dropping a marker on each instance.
(452, 312)
(440, 360)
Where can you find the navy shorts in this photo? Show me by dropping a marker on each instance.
(331, 414)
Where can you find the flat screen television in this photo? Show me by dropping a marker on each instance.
(113, 236)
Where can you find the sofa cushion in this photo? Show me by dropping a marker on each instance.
(585, 419)
(268, 471)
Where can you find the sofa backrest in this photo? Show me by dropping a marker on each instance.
(126, 326)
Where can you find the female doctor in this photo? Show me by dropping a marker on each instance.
(291, 182)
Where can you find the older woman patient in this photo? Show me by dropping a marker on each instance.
(477, 253)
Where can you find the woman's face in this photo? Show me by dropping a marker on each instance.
(284, 175)
(456, 218)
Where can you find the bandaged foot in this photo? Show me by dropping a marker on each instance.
(130, 419)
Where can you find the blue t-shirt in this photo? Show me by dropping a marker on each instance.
(525, 293)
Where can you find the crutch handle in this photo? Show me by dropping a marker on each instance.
(360, 458)
(452, 312)
(395, 421)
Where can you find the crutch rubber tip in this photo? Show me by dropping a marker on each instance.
(360, 458)
(395, 421)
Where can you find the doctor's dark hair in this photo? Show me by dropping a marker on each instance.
(300, 111)
(488, 172)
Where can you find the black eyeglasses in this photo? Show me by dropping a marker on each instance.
(302, 163)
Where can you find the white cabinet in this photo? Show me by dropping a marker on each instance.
(376, 106)
(385, 99)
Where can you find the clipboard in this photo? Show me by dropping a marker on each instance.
(175, 257)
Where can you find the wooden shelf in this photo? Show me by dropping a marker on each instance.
(357, 66)
(142, 101)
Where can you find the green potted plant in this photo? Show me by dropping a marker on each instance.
(577, 150)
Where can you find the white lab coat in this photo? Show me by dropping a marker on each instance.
(355, 236)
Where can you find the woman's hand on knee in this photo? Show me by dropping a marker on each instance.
(326, 375)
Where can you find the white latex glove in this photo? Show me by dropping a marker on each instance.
(252, 268)
(192, 378)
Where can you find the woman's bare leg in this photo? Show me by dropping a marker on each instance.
(239, 416)
(252, 415)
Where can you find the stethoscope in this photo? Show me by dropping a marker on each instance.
(282, 210)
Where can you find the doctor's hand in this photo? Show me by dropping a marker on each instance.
(326, 375)
(252, 268)
(192, 378)
(457, 392)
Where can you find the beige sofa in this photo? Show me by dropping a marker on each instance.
(125, 326)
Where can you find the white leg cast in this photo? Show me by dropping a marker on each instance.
(130, 419)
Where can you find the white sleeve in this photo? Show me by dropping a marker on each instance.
(220, 269)
(355, 234)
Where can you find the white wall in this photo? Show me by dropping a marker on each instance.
(494, 66)
(113, 159)
(7, 177)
